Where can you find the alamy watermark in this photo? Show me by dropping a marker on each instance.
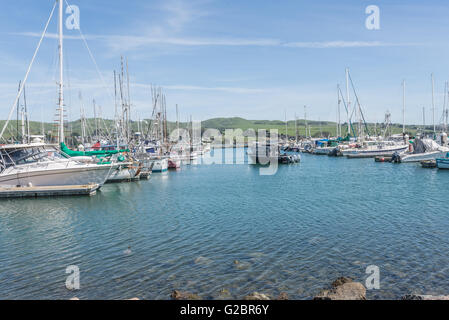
(72, 282)
(372, 22)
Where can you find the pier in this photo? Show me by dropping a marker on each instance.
(48, 191)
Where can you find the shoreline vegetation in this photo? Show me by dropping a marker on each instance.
(316, 128)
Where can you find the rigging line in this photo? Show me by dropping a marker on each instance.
(27, 73)
(346, 108)
(360, 106)
(92, 57)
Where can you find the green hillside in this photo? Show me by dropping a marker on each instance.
(317, 128)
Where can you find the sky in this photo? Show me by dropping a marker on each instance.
(251, 59)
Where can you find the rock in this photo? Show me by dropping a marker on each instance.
(241, 265)
(134, 299)
(203, 260)
(257, 296)
(179, 295)
(340, 281)
(282, 296)
(424, 297)
(74, 299)
(224, 294)
(343, 289)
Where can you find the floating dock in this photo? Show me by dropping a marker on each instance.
(33, 192)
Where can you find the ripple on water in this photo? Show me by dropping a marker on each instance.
(295, 231)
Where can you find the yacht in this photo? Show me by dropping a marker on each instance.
(40, 164)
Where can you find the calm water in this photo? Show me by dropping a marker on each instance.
(295, 231)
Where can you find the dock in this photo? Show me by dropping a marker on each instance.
(48, 191)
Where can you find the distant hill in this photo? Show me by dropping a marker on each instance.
(317, 128)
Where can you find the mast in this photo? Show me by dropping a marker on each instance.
(445, 106)
(305, 120)
(95, 120)
(433, 106)
(18, 107)
(61, 76)
(296, 127)
(338, 112)
(27, 120)
(177, 122)
(348, 101)
(424, 118)
(286, 127)
(128, 112)
(403, 107)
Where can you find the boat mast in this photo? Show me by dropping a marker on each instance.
(296, 127)
(338, 112)
(305, 119)
(433, 106)
(348, 101)
(27, 120)
(61, 76)
(286, 127)
(403, 107)
(177, 122)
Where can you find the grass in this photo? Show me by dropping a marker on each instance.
(317, 128)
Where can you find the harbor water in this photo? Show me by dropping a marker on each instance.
(206, 228)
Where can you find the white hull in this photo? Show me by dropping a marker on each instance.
(124, 173)
(371, 153)
(423, 156)
(160, 165)
(37, 175)
(322, 151)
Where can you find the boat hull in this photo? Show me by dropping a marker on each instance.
(373, 153)
(443, 164)
(160, 165)
(423, 156)
(95, 174)
(124, 173)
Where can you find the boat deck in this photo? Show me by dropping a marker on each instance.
(33, 192)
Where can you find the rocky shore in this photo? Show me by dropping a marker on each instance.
(342, 288)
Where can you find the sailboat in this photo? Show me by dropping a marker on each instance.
(40, 164)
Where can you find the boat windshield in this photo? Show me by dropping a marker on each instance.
(19, 156)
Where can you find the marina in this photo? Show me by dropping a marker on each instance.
(164, 191)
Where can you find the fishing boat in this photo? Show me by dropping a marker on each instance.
(371, 149)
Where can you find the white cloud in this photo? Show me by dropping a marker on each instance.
(134, 42)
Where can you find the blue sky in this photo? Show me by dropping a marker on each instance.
(254, 59)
